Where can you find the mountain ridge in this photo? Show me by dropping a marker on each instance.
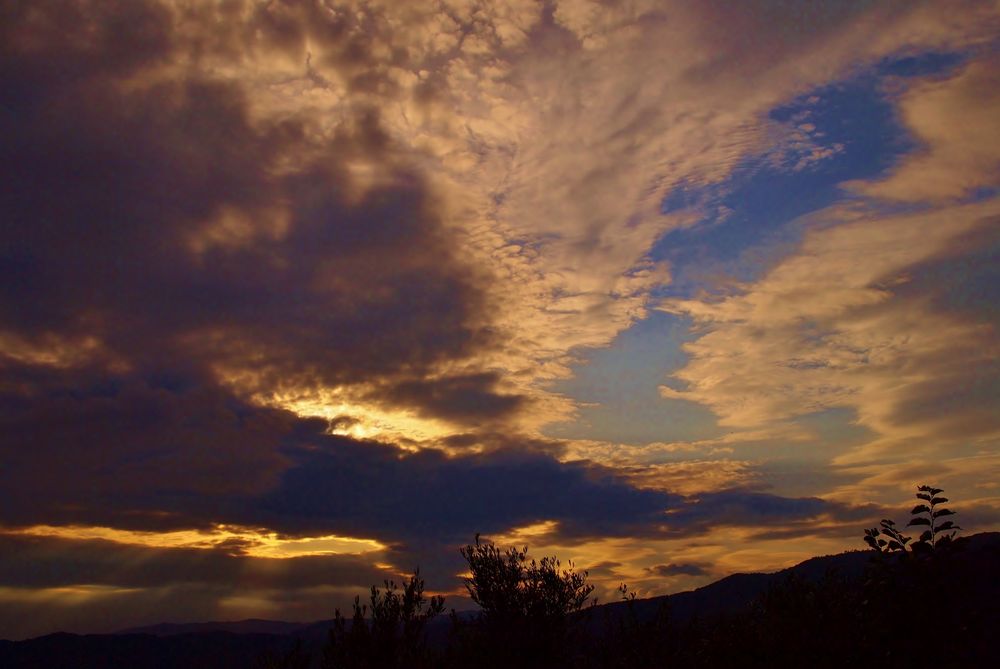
(238, 643)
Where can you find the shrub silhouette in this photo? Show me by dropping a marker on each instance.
(395, 635)
(926, 578)
(506, 585)
(925, 514)
(919, 602)
(526, 605)
(937, 533)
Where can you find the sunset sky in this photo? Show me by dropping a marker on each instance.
(296, 296)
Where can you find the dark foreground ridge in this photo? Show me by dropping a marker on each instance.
(871, 609)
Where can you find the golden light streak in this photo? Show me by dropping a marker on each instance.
(349, 415)
(361, 421)
(52, 350)
(520, 535)
(67, 594)
(250, 542)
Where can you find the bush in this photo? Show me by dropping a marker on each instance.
(939, 534)
(525, 605)
(395, 635)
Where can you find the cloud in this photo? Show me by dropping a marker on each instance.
(192, 233)
(880, 310)
(883, 310)
(949, 116)
(468, 396)
(151, 459)
(578, 201)
(428, 496)
(46, 562)
(132, 454)
(683, 568)
(747, 508)
(91, 586)
(346, 203)
(836, 325)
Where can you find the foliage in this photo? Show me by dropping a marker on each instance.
(938, 533)
(527, 607)
(916, 604)
(395, 635)
(507, 586)
(926, 514)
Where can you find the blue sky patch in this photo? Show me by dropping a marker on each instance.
(748, 217)
(623, 380)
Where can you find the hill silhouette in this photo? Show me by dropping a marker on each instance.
(724, 607)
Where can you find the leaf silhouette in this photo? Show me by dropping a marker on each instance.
(924, 515)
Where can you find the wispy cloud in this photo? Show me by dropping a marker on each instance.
(881, 310)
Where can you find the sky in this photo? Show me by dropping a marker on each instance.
(297, 296)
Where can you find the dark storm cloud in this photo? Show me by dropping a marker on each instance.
(352, 487)
(62, 41)
(129, 453)
(173, 453)
(344, 486)
(468, 396)
(156, 215)
(748, 508)
(680, 568)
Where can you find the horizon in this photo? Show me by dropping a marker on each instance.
(297, 297)
(298, 626)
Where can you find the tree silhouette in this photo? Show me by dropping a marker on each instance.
(526, 605)
(395, 636)
(506, 585)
